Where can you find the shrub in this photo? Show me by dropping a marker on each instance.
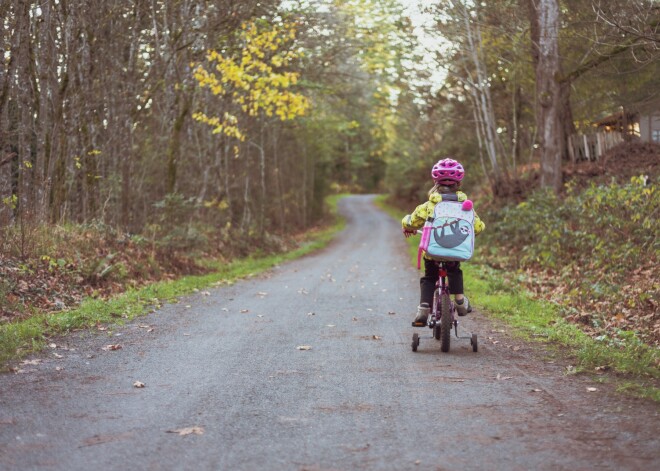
(610, 226)
(597, 248)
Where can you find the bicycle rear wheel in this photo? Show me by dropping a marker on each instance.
(445, 322)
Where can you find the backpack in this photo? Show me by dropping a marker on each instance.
(449, 234)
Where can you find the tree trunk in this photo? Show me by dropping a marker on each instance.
(480, 90)
(548, 92)
(175, 145)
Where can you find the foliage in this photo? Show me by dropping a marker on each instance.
(610, 223)
(255, 79)
(594, 250)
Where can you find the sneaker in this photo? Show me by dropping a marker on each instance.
(463, 307)
(423, 311)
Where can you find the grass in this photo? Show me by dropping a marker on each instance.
(21, 338)
(635, 363)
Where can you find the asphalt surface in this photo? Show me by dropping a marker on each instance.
(223, 369)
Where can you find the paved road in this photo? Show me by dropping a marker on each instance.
(227, 363)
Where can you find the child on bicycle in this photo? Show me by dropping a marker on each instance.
(447, 175)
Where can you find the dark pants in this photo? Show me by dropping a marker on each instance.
(430, 278)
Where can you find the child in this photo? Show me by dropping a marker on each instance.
(447, 175)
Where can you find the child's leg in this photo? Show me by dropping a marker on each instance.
(426, 290)
(427, 282)
(455, 276)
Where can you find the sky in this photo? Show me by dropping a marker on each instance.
(428, 44)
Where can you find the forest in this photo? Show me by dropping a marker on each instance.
(139, 138)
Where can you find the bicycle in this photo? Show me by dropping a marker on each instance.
(443, 315)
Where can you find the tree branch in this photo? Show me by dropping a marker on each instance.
(6, 160)
(595, 62)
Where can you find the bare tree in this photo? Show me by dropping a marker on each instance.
(545, 17)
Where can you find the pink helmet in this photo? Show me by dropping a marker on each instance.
(447, 170)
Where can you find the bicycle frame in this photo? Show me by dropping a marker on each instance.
(442, 289)
(442, 301)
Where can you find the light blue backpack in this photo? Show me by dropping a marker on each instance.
(449, 234)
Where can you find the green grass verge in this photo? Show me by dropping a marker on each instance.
(538, 320)
(18, 339)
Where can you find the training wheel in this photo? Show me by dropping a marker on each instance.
(415, 342)
(473, 342)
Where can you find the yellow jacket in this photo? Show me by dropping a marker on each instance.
(418, 217)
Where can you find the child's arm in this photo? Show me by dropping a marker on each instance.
(479, 225)
(414, 221)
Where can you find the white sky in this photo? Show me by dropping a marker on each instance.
(428, 44)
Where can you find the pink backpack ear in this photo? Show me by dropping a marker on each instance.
(467, 205)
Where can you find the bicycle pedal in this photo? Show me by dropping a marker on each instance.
(418, 324)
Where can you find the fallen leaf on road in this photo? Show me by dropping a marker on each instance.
(112, 347)
(537, 390)
(52, 345)
(501, 378)
(100, 439)
(262, 293)
(592, 389)
(206, 293)
(304, 347)
(31, 362)
(59, 368)
(392, 313)
(57, 355)
(311, 313)
(376, 337)
(245, 310)
(515, 349)
(369, 309)
(330, 325)
(138, 384)
(457, 380)
(355, 319)
(188, 431)
(224, 309)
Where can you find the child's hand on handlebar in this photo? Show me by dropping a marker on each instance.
(409, 233)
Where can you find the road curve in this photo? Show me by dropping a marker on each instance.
(226, 387)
